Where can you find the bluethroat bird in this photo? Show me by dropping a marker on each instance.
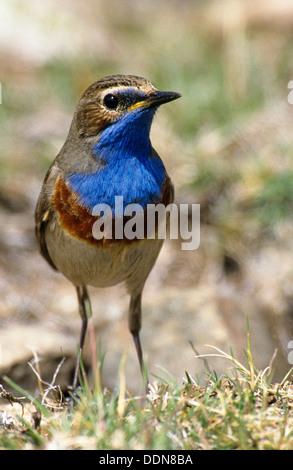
(107, 153)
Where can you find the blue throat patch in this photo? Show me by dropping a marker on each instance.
(126, 167)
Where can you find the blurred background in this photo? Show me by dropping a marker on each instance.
(227, 143)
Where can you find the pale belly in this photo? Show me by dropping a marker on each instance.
(101, 265)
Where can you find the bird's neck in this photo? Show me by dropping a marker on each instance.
(128, 167)
(125, 139)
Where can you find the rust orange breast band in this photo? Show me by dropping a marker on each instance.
(74, 218)
(78, 221)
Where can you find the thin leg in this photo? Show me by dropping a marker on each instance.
(134, 327)
(138, 350)
(85, 312)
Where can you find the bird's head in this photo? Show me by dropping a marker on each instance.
(108, 150)
(123, 99)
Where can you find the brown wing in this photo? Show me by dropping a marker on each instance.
(43, 214)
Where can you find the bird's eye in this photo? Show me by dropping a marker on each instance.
(111, 101)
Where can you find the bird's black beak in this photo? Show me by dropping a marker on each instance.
(156, 99)
(159, 97)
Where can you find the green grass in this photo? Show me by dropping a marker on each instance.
(242, 410)
(274, 201)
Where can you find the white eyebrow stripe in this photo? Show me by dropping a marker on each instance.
(125, 90)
